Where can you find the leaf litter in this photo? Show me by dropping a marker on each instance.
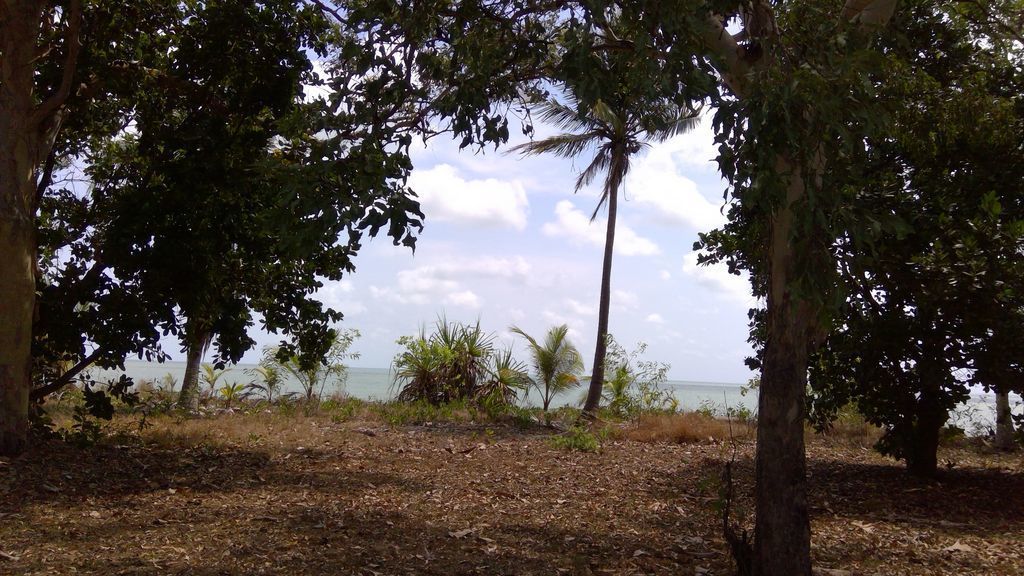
(477, 499)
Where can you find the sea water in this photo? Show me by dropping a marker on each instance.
(378, 384)
(977, 416)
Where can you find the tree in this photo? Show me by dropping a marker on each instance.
(796, 105)
(232, 194)
(557, 364)
(933, 291)
(617, 130)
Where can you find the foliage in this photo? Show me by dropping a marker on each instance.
(267, 382)
(936, 288)
(578, 439)
(557, 364)
(313, 375)
(457, 362)
(210, 375)
(635, 384)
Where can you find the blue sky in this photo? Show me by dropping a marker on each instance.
(508, 242)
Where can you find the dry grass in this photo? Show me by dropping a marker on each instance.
(685, 427)
(853, 433)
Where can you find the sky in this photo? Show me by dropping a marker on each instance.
(508, 242)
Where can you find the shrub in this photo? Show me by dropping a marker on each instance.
(457, 362)
(635, 384)
(578, 438)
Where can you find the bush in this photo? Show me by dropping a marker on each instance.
(635, 384)
(579, 438)
(457, 362)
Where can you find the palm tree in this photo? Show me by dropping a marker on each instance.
(616, 132)
(556, 363)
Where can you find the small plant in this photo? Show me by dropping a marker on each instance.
(740, 414)
(312, 373)
(707, 409)
(85, 430)
(635, 384)
(557, 364)
(267, 380)
(231, 392)
(577, 438)
(210, 377)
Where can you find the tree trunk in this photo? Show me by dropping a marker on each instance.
(196, 341)
(782, 530)
(1004, 422)
(17, 299)
(601, 348)
(922, 453)
(21, 142)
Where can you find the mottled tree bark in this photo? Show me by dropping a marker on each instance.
(27, 132)
(197, 341)
(1004, 422)
(782, 530)
(19, 157)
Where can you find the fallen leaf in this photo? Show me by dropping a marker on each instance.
(461, 533)
(864, 526)
(958, 547)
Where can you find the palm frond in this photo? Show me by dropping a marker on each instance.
(599, 164)
(564, 145)
(673, 123)
(565, 116)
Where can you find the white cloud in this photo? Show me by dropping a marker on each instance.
(575, 225)
(577, 307)
(655, 319)
(465, 298)
(339, 296)
(665, 275)
(657, 180)
(446, 196)
(444, 282)
(624, 299)
(717, 277)
(672, 198)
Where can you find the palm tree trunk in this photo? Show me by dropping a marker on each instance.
(601, 348)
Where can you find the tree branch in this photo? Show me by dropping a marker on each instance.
(73, 45)
(42, 392)
(46, 178)
(734, 67)
(869, 13)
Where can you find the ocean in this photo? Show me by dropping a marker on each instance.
(976, 416)
(376, 384)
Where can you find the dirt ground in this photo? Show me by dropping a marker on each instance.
(270, 495)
